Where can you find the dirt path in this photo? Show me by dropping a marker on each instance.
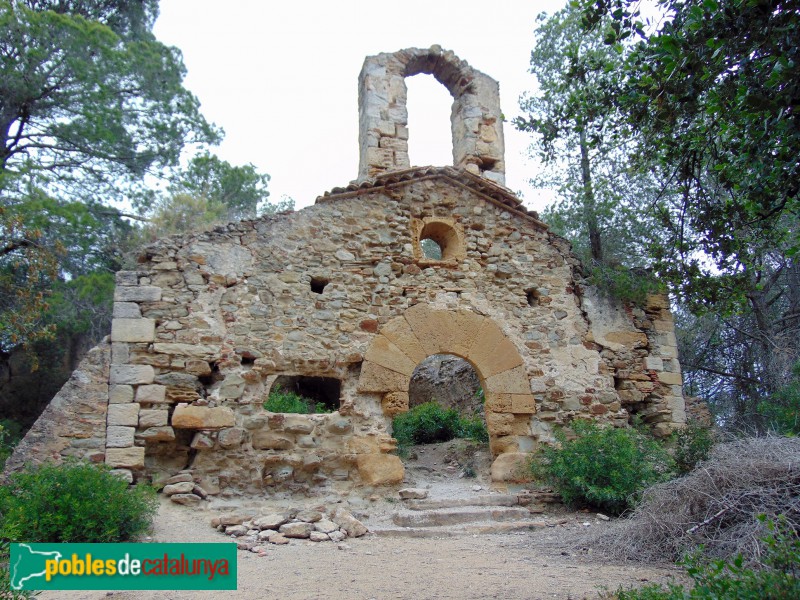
(507, 566)
(535, 564)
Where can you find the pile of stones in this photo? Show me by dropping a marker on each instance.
(252, 533)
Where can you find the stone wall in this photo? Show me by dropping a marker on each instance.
(74, 423)
(208, 322)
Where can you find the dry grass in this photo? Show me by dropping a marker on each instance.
(716, 505)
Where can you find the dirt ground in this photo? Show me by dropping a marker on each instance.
(542, 563)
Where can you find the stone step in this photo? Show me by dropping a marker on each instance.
(468, 529)
(458, 516)
(482, 500)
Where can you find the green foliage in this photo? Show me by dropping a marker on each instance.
(473, 428)
(711, 94)
(10, 435)
(781, 413)
(241, 190)
(633, 285)
(693, 444)
(90, 106)
(73, 502)
(777, 578)
(604, 467)
(283, 401)
(429, 423)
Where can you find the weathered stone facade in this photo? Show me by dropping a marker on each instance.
(342, 290)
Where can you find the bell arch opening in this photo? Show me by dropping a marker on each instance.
(430, 135)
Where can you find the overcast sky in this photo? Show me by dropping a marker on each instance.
(281, 79)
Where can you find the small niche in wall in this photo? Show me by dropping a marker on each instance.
(319, 394)
(533, 296)
(318, 284)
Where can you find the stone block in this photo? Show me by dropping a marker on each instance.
(153, 418)
(499, 403)
(503, 357)
(511, 467)
(133, 330)
(653, 363)
(138, 293)
(230, 438)
(120, 394)
(126, 458)
(269, 440)
(627, 339)
(500, 424)
(126, 278)
(151, 394)
(466, 326)
(298, 424)
(670, 378)
(433, 328)
(523, 404)
(513, 381)
(126, 310)
(375, 378)
(394, 403)
(123, 414)
(163, 433)
(131, 374)
(193, 350)
(119, 437)
(488, 337)
(399, 332)
(202, 417)
(380, 469)
(386, 354)
(120, 353)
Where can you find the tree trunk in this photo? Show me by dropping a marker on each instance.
(589, 205)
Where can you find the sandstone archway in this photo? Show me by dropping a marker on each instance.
(476, 120)
(405, 341)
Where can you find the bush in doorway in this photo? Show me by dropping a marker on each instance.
(429, 423)
(282, 401)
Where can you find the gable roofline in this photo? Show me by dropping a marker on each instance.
(489, 191)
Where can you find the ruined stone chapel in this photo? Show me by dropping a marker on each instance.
(341, 298)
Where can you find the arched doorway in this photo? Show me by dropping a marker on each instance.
(422, 331)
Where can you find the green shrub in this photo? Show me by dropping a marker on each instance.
(282, 401)
(429, 423)
(604, 467)
(692, 445)
(778, 577)
(473, 428)
(781, 413)
(73, 502)
(426, 424)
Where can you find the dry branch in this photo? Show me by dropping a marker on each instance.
(717, 505)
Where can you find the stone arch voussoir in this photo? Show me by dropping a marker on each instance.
(422, 331)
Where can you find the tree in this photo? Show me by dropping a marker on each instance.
(571, 122)
(84, 111)
(90, 103)
(241, 190)
(713, 96)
